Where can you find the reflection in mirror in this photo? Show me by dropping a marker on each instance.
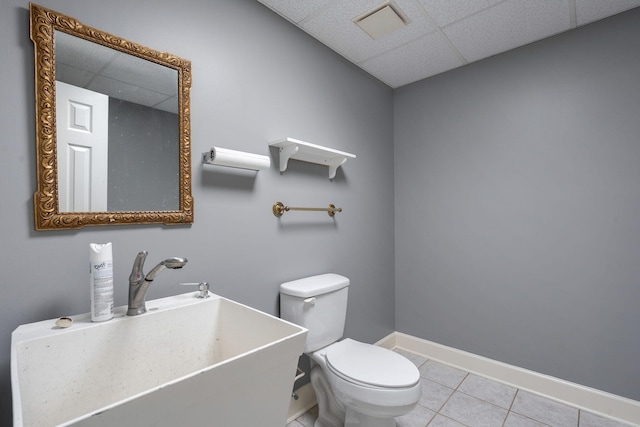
(118, 150)
(117, 130)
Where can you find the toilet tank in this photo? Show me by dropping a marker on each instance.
(318, 303)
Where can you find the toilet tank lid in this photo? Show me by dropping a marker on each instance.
(314, 285)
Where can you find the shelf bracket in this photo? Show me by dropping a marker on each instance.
(334, 164)
(286, 152)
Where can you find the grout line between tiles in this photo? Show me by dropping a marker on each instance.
(510, 406)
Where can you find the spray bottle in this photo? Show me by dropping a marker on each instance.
(101, 281)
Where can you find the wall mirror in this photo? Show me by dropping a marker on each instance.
(112, 128)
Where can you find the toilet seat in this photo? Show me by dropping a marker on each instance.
(370, 366)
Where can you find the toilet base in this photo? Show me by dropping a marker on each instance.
(331, 413)
(357, 419)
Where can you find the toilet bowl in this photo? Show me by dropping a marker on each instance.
(375, 383)
(356, 384)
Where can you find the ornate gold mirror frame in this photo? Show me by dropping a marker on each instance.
(44, 24)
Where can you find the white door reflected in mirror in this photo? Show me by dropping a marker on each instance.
(83, 146)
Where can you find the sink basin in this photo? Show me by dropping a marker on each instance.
(186, 362)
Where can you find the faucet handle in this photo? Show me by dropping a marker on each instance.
(138, 264)
(203, 287)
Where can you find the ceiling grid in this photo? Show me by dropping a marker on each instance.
(440, 35)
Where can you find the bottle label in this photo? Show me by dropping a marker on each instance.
(102, 278)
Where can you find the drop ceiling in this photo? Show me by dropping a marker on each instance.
(439, 35)
(122, 76)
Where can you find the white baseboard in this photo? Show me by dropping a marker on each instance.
(306, 400)
(589, 399)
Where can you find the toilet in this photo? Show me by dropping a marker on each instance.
(356, 384)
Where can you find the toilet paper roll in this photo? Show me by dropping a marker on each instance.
(236, 159)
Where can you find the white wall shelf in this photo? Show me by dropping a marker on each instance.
(299, 150)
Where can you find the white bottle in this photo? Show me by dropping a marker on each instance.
(101, 281)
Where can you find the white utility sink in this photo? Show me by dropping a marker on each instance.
(186, 362)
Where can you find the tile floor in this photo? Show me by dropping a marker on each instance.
(455, 398)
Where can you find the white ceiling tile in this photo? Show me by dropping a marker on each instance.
(72, 75)
(73, 51)
(295, 10)
(334, 27)
(445, 12)
(593, 10)
(427, 56)
(142, 73)
(508, 25)
(126, 92)
(476, 28)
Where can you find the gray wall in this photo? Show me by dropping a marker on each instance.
(144, 170)
(255, 78)
(518, 236)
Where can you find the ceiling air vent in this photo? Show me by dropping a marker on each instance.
(383, 20)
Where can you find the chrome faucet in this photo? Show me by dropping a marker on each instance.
(139, 283)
